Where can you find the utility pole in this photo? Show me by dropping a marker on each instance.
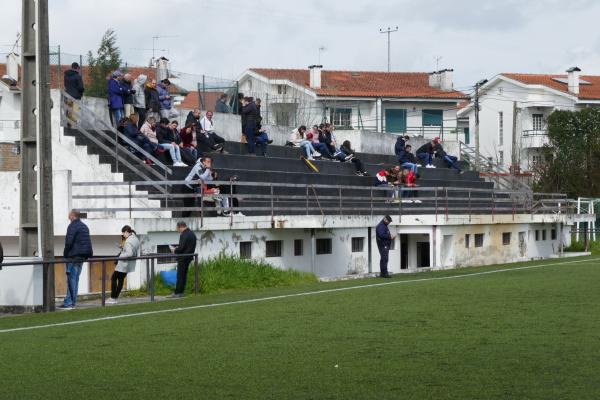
(388, 31)
(477, 154)
(36, 230)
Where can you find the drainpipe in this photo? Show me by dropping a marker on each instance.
(433, 261)
(370, 250)
(313, 250)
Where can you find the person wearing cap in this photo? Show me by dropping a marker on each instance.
(384, 240)
(116, 93)
(425, 152)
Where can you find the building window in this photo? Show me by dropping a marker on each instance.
(245, 249)
(393, 245)
(274, 248)
(538, 122)
(553, 234)
(537, 235)
(479, 240)
(323, 246)
(467, 241)
(505, 238)
(165, 249)
(358, 244)
(282, 118)
(395, 120)
(341, 117)
(500, 157)
(467, 135)
(500, 128)
(433, 117)
(543, 234)
(281, 89)
(298, 247)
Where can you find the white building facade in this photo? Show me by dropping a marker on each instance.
(391, 102)
(513, 113)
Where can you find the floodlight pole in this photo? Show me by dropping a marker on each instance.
(388, 31)
(36, 231)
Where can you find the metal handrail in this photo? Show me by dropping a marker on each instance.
(150, 263)
(100, 122)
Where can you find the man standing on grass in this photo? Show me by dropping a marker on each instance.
(384, 240)
(78, 248)
(187, 245)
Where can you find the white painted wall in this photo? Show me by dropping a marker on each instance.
(21, 286)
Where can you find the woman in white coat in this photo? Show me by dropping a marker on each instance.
(131, 248)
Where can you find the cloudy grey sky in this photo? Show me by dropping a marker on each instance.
(478, 38)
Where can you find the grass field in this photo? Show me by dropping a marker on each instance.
(529, 333)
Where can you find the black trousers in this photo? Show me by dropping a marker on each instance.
(116, 284)
(141, 112)
(358, 165)
(182, 269)
(188, 202)
(216, 138)
(384, 255)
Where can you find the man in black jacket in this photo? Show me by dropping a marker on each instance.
(73, 82)
(250, 121)
(78, 248)
(384, 240)
(425, 152)
(187, 245)
(407, 159)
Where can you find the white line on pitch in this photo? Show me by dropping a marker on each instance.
(285, 296)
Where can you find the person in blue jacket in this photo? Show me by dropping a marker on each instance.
(384, 240)
(166, 102)
(116, 95)
(78, 248)
(400, 145)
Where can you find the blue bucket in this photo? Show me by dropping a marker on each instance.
(169, 277)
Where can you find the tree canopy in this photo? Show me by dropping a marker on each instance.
(107, 59)
(572, 159)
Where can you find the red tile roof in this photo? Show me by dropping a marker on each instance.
(364, 84)
(192, 101)
(57, 75)
(588, 92)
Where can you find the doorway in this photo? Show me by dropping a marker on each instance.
(423, 255)
(403, 251)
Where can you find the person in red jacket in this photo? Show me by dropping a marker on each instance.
(409, 180)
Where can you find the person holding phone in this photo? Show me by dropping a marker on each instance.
(186, 246)
(130, 248)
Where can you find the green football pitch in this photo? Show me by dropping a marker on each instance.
(522, 331)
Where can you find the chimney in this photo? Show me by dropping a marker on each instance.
(434, 79)
(12, 70)
(315, 76)
(446, 83)
(573, 79)
(162, 69)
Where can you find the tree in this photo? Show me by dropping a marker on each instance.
(572, 159)
(107, 60)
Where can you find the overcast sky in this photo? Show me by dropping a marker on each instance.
(478, 38)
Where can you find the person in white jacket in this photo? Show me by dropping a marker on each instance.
(139, 98)
(298, 140)
(130, 248)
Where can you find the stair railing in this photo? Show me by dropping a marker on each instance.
(74, 114)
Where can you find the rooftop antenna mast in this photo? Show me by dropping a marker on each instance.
(437, 62)
(321, 49)
(154, 39)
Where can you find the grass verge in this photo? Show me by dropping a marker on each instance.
(223, 274)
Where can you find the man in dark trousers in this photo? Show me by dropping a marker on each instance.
(73, 82)
(384, 241)
(187, 245)
(78, 248)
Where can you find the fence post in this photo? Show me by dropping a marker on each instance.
(446, 192)
(152, 279)
(493, 204)
(196, 275)
(586, 242)
(469, 205)
(306, 199)
(371, 202)
(103, 283)
(201, 207)
(272, 204)
(148, 274)
(436, 204)
(340, 195)
(130, 200)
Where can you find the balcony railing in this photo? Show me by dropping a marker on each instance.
(535, 132)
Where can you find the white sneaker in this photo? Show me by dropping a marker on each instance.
(418, 201)
(239, 214)
(179, 164)
(310, 159)
(316, 154)
(111, 301)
